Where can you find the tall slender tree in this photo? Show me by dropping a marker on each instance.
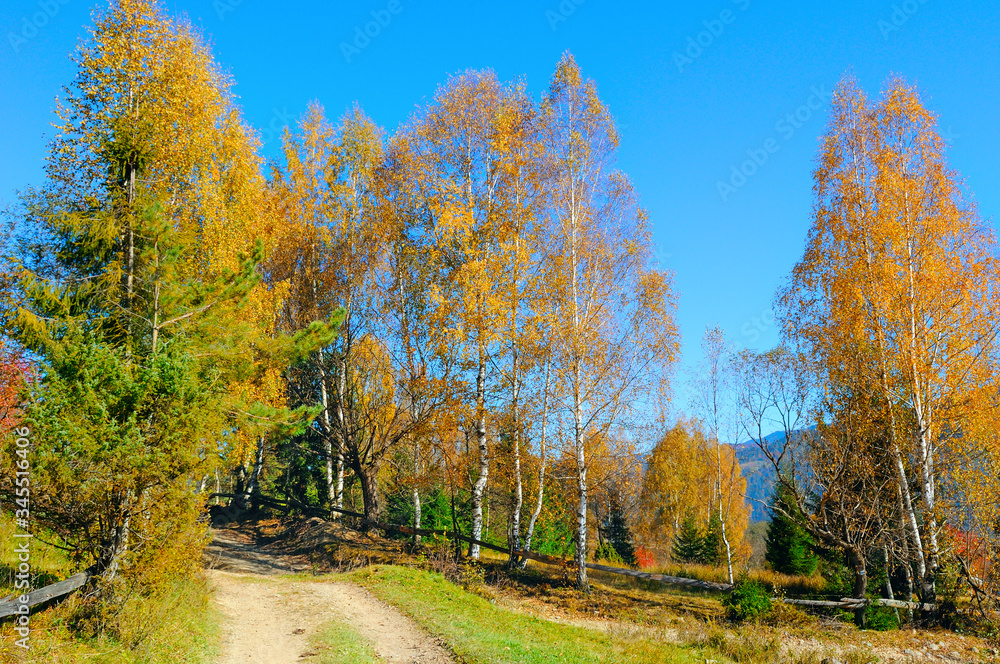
(896, 293)
(613, 312)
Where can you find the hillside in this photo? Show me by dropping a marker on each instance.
(759, 473)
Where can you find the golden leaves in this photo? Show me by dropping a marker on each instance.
(681, 475)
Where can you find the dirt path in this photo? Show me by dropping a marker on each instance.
(272, 620)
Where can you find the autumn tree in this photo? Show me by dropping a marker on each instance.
(895, 296)
(714, 401)
(830, 458)
(613, 312)
(138, 254)
(465, 152)
(150, 109)
(680, 481)
(332, 252)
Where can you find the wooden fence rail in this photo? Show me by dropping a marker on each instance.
(851, 603)
(12, 607)
(844, 603)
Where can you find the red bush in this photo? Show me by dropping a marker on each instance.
(643, 558)
(13, 372)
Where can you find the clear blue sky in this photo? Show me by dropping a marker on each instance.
(687, 113)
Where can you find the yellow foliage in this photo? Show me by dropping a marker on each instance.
(682, 474)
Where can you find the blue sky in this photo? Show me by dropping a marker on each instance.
(698, 89)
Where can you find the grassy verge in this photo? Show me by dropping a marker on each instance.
(338, 643)
(799, 585)
(173, 623)
(478, 631)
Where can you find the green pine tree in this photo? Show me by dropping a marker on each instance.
(136, 367)
(617, 533)
(789, 546)
(712, 548)
(689, 542)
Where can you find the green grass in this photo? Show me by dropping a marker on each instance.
(174, 623)
(479, 632)
(338, 644)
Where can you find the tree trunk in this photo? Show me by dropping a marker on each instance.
(416, 514)
(328, 436)
(252, 495)
(928, 585)
(518, 487)
(906, 566)
(722, 518)
(580, 555)
(338, 493)
(416, 492)
(909, 514)
(241, 481)
(888, 578)
(369, 493)
(541, 470)
(576, 354)
(484, 466)
(923, 409)
(114, 547)
(115, 543)
(857, 560)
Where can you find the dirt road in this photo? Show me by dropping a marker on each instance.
(272, 620)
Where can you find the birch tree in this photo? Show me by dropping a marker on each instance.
(465, 150)
(614, 324)
(897, 291)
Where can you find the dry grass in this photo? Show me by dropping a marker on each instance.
(795, 585)
(174, 622)
(627, 609)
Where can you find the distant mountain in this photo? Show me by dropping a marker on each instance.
(759, 473)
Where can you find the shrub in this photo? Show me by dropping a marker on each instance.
(748, 601)
(880, 618)
(609, 554)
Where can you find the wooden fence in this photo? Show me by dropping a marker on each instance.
(10, 606)
(847, 603)
(530, 555)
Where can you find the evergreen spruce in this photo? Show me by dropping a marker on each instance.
(789, 546)
(689, 542)
(617, 532)
(136, 366)
(712, 544)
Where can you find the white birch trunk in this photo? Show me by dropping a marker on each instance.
(484, 462)
(541, 470)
